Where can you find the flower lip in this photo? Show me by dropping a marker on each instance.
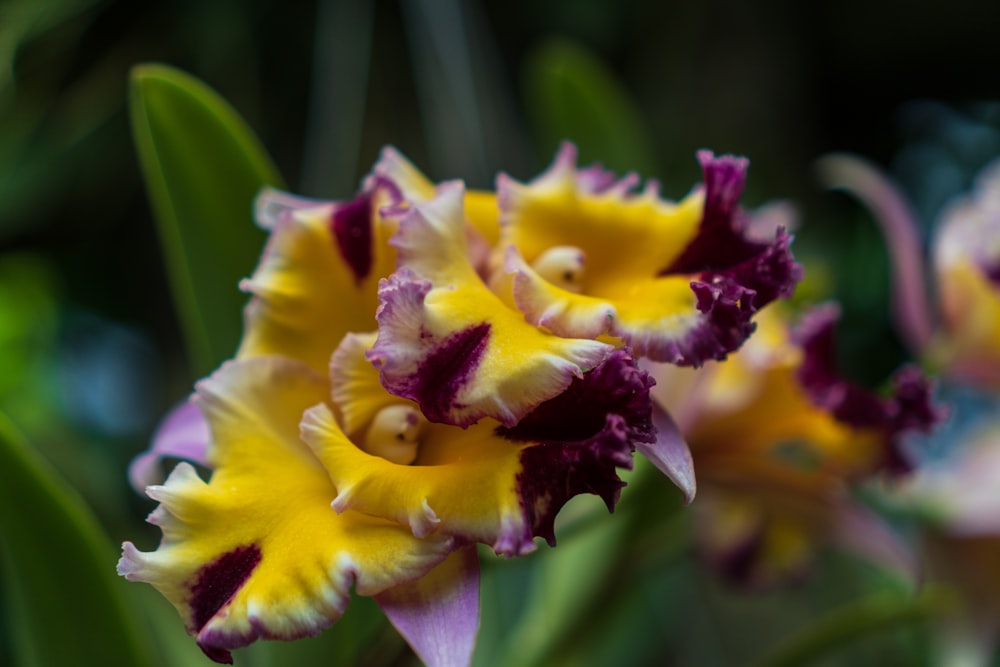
(584, 435)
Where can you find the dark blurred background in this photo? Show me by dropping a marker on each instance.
(90, 349)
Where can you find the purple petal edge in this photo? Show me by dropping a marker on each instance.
(415, 365)
(438, 615)
(670, 454)
(182, 434)
(896, 220)
(737, 274)
(584, 435)
(909, 408)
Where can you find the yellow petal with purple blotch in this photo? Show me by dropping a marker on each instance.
(667, 318)
(257, 552)
(486, 482)
(676, 282)
(318, 277)
(449, 343)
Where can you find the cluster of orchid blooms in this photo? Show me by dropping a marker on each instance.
(426, 368)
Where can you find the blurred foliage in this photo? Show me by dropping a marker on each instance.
(203, 168)
(58, 568)
(90, 345)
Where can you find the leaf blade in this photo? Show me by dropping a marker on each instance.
(56, 562)
(202, 166)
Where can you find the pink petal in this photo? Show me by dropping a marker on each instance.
(183, 434)
(670, 454)
(438, 614)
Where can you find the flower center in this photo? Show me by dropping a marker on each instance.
(562, 266)
(395, 434)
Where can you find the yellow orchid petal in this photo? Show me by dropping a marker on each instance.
(967, 267)
(462, 483)
(482, 213)
(449, 343)
(318, 277)
(486, 482)
(257, 552)
(676, 282)
(480, 205)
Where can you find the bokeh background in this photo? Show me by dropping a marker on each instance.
(91, 353)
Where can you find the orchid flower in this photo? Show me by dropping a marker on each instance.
(959, 499)
(389, 407)
(675, 282)
(778, 437)
(963, 340)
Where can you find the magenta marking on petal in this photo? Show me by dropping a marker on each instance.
(219, 581)
(726, 308)
(182, 434)
(726, 247)
(617, 386)
(446, 370)
(351, 225)
(415, 364)
(438, 615)
(910, 408)
(721, 240)
(585, 434)
(219, 655)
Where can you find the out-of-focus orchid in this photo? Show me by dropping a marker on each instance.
(387, 409)
(960, 500)
(961, 337)
(778, 437)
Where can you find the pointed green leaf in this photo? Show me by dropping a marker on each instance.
(573, 95)
(65, 605)
(203, 166)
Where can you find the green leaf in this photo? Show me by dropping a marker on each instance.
(572, 95)
(65, 604)
(877, 614)
(203, 166)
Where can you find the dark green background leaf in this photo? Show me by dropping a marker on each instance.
(203, 166)
(65, 604)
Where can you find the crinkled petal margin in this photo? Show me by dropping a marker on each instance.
(498, 485)
(692, 304)
(257, 552)
(909, 408)
(318, 276)
(450, 344)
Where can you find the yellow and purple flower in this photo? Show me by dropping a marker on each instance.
(961, 337)
(778, 437)
(675, 282)
(388, 408)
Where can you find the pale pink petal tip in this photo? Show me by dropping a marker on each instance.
(183, 434)
(670, 454)
(438, 615)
